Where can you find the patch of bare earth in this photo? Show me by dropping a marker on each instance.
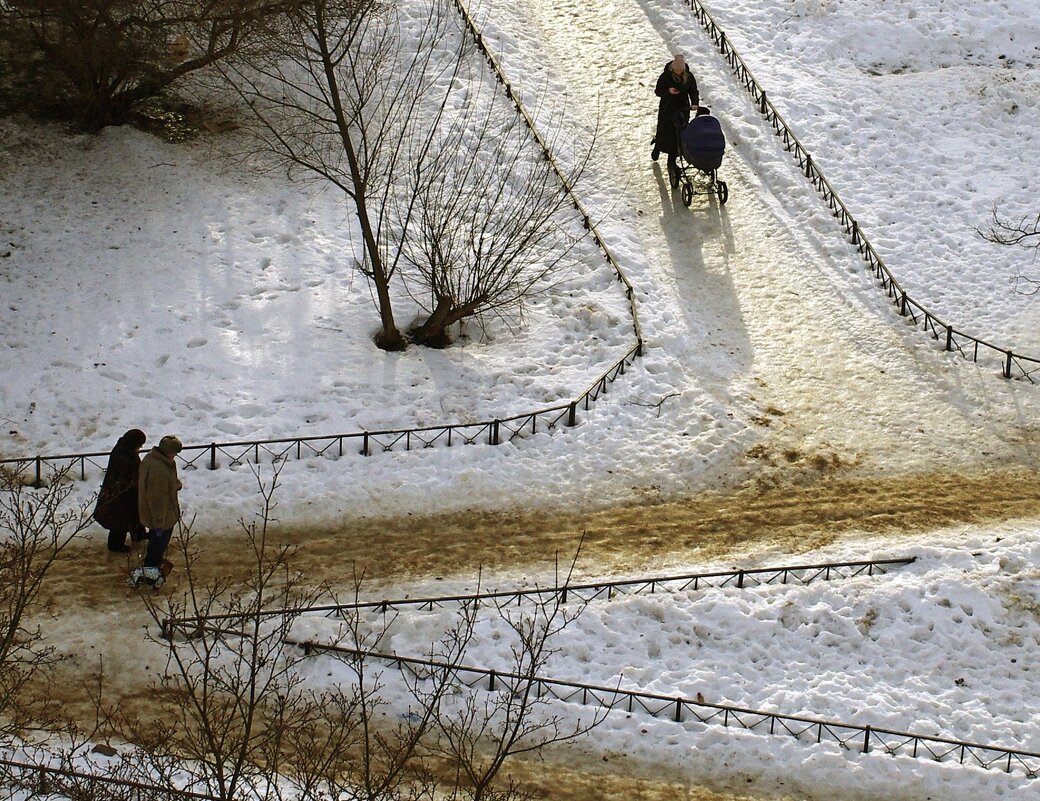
(766, 526)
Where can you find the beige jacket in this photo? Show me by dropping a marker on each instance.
(157, 488)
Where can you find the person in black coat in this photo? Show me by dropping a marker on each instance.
(116, 507)
(677, 89)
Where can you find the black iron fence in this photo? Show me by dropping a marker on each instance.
(1012, 364)
(680, 709)
(746, 578)
(334, 446)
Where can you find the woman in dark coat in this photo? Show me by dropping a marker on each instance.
(677, 89)
(116, 507)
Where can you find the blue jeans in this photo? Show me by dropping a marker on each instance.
(158, 539)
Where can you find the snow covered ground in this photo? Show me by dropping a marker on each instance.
(945, 647)
(152, 285)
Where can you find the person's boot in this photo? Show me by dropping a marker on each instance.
(655, 153)
(117, 542)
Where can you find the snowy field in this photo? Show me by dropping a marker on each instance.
(945, 647)
(155, 285)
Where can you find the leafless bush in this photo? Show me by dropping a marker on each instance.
(403, 117)
(100, 58)
(36, 525)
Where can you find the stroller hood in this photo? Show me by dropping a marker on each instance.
(703, 142)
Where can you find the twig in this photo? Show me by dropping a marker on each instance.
(659, 403)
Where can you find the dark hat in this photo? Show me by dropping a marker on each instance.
(170, 445)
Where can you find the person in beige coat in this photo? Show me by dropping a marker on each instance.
(157, 504)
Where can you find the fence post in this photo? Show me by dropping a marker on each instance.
(572, 414)
(866, 741)
(494, 433)
(39, 472)
(949, 337)
(678, 710)
(213, 456)
(1007, 366)
(764, 104)
(364, 445)
(855, 232)
(808, 166)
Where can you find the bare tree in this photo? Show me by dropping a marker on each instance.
(341, 98)
(481, 736)
(238, 715)
(385, 757)
(228, 708)
(494, 219)
(1023, 232)
(36, 525)
(450, 188)
(103, 57)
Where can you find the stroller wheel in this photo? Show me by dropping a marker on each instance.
(687, 194)
(673, 175)
(723, 191)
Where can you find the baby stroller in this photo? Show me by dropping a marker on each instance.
(701, 145)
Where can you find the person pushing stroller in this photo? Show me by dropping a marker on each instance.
(677, 90)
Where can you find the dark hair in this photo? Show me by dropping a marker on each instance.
(135, 438)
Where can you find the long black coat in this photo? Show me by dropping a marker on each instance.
(673, 112)
(116, 507)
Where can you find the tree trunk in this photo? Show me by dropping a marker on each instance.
(433, 333)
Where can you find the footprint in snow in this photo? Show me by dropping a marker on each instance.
(113, 375)
(198, 342)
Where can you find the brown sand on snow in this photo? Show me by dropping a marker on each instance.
(746, 527)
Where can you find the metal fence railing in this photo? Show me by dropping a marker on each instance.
(334, 446)
(680, 709)
(745, 578)
(856, 737)
(1012, 364)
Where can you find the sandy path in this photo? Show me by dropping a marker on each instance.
(99, 618)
